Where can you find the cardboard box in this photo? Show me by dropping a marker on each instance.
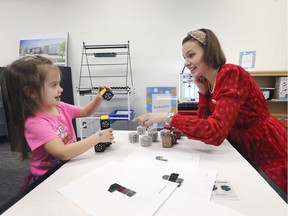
(281, 88)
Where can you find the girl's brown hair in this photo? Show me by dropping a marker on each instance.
(22, 82)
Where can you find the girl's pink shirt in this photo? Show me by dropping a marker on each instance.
(42, 128)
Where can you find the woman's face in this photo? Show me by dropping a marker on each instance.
(193, 55)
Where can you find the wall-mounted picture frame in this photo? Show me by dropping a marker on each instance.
(161, 99)
(247, 59)
(51, 45)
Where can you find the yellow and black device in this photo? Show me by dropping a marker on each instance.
(106, 94)
(104, 124)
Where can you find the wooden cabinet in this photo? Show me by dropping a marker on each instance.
(267, 79)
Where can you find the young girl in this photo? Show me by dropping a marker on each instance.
(231, 106)
(40, 122)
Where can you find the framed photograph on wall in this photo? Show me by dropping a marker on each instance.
(161, 99)
(50, 45)
(247, 60)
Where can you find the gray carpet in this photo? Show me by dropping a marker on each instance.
(12, 172)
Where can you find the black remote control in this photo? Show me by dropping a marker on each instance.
(106, 94)
(104, 124)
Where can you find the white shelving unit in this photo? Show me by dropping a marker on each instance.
(108, 65)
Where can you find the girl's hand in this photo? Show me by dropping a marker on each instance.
(100, 88)
(149, 118)
(200, 82)
(105, 135)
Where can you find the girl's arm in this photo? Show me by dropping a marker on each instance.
(93, 105)
(61, 151)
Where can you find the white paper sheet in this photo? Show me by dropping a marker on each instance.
(171, 155)
(90, 192)
(188, 205)
(198, 182)
(223, 190)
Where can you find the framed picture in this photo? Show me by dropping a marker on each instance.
(247, 59)
(161, 99)
(50, 45)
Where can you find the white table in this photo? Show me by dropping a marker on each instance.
(256, 197)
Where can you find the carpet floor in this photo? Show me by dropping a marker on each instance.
(12, 172)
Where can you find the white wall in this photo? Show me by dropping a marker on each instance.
(155, 29)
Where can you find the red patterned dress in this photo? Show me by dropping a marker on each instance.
(237, 109)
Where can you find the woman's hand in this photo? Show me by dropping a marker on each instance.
(200, 82)
(147, 119)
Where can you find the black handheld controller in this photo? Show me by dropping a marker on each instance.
(104, 124)
(106, 94)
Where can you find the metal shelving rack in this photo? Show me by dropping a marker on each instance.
(108, 65)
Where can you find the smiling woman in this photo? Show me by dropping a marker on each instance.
(231, 106)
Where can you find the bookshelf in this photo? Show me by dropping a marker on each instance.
(267, 79)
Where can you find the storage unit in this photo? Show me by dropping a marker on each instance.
(267, 79)
(188, 91)
(108, 65)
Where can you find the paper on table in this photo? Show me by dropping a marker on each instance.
(90, 192)
(198, 182)
(172, 156)
(224, 190)
(193, 205)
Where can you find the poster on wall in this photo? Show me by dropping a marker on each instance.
(247, 60)
(161, 99)
(50, 45)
